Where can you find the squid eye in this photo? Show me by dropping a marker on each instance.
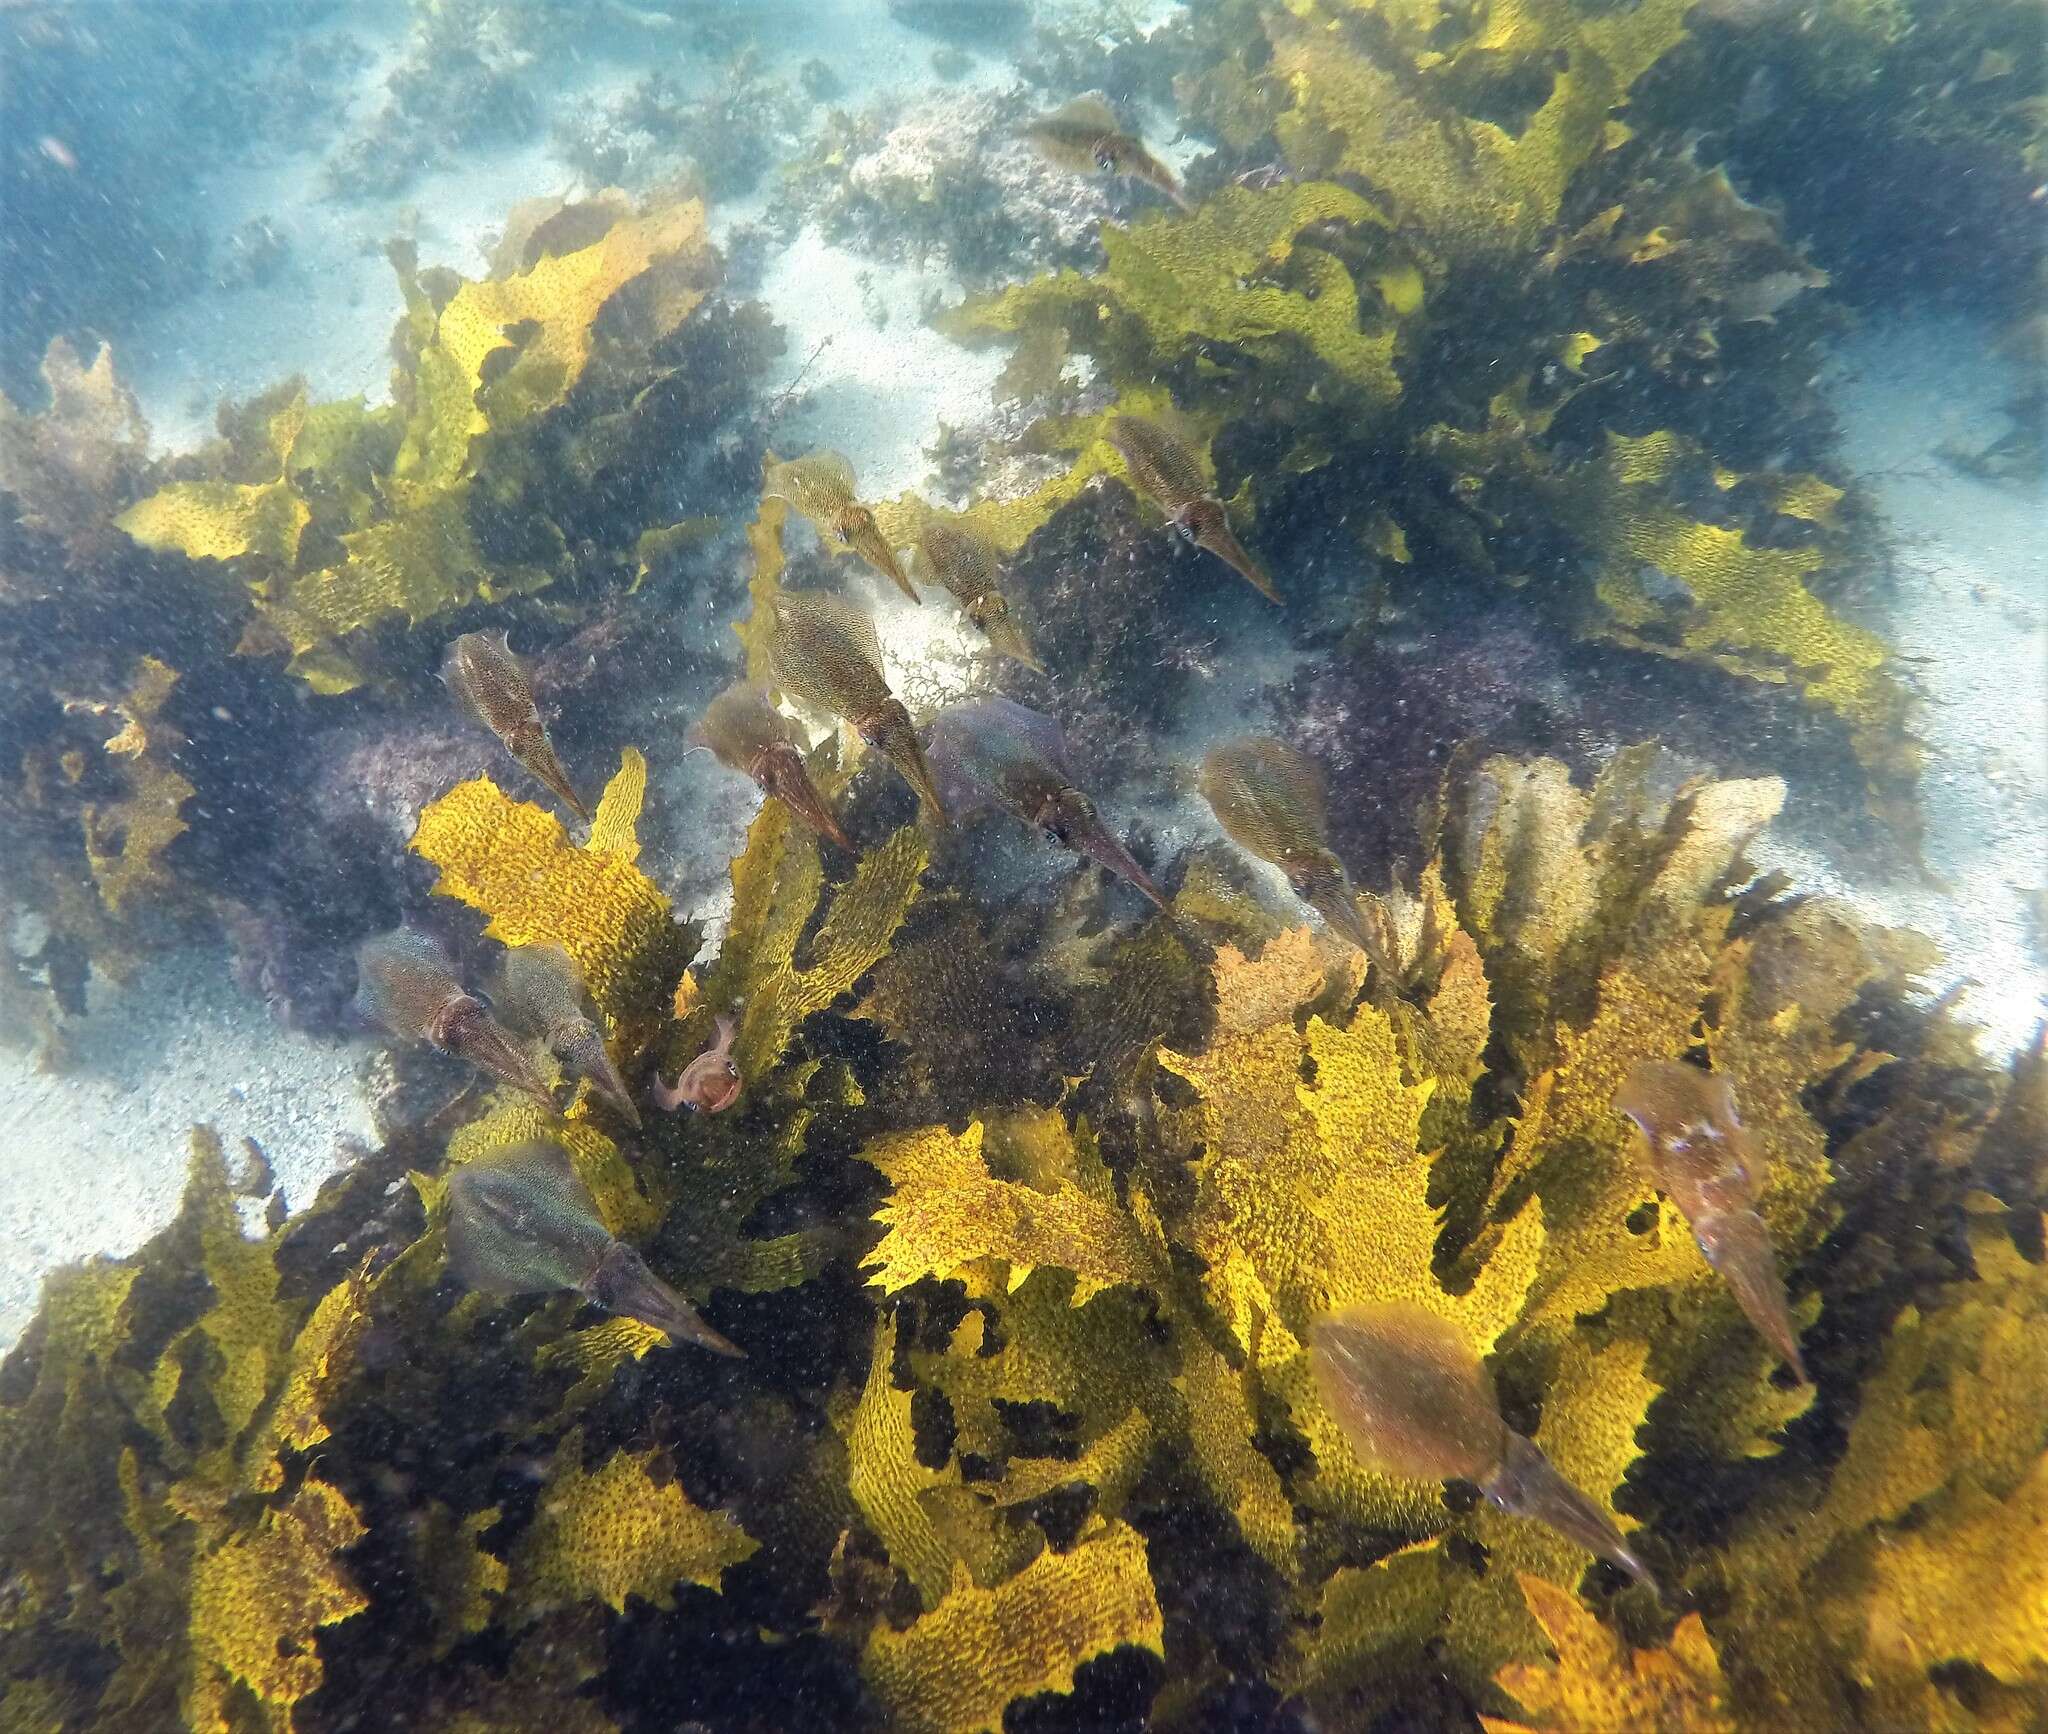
(1105, 158)
(1053, 834)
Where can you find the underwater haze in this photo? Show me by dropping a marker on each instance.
(1023, 865)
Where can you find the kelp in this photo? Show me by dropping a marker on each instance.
(1240, 276)
(614, 1532)
(77, 461)
(1374, 92)
(1024, 1221)
(124, 838)
(1597, 1678)
(513, 861)
(979, 1651)
(1431, 157)
(192, 1392)
(1911, 1588)
(779, 964)
(343, 520)
(1681, 586)
(1073, 1315)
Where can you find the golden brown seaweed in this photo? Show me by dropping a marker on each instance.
(824, 651)
(491, 682)
(1416, 1402)
(1700, 1155)
(747, 733)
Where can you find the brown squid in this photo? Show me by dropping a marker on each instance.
(711, 1082)
(962, 563)
(1085, 137)
(993, 749)
(1416, 1402)
(821, 486)
(520, 1221)
(1269, 799)
(746, 733)
(541, 993)
(824, 651)
(491, 682)
(1702, 1159)
(1165, 469)
(408, 986)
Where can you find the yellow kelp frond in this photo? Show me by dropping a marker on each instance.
(777, 885)
(1615, 973)
(1778, 993)
(1010, 522)
(1237, 273)
(222, 521)
(545, 314)
(1968, 1585)
(1089, 1365)
(1311, 1197)
(1221, 1422)
(462, 1580)
(253, 509)
(616, 1531)
(238, 1344)
(1682, 587)
(124, 838)
(73, 464)
(764, 582)
(514, 862)
(1465, 184)
(978, 1651)
(1374, 1630)
(419, 565)
(948, 1212)
(1553, 881)
(60, 1502)
(1919, 1557)
(315, 1365)
(1600, 1682)
(596, 1353)
(258, 1602)
(887, 1481)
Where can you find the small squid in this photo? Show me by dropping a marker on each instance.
(520, 1221)
(410, 988)
(1701, 1158)
(541, 993)
(825, 651)
(746, 733)
(491, 683)
(993, 749)
(1415, 1401)
(711, 1082)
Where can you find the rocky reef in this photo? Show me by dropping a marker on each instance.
(1022, 1200)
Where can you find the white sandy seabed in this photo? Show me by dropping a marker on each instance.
(94, 1160)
